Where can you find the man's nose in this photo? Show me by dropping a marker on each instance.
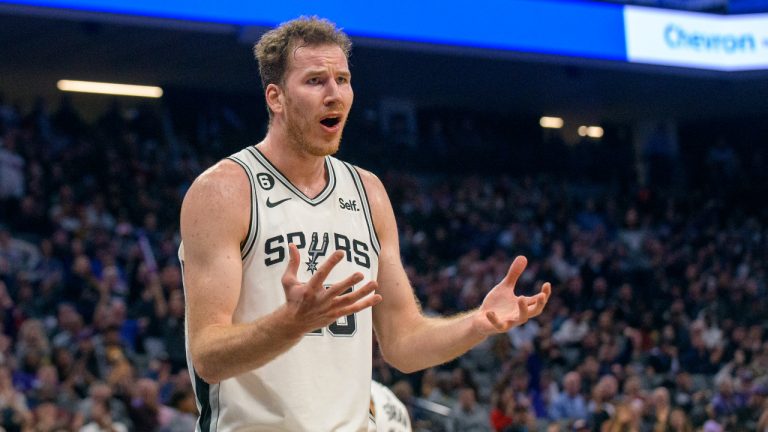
(333, 93)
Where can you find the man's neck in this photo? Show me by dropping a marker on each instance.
(305, 171)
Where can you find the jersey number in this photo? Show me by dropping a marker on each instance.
(343, 327)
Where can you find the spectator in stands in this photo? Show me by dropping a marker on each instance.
(12, 181)
(100, 393)
(467, 414)
(69, 325)
(569, 404)
(14, 411)
(102, 420)
(48, 417)
(145, 407)
(762, 424)
(183, 416)
(727, 401)
(18, 257)
(523, 417)
(173, 331)
(632, 391)
(678, 421)
(602, 406)
(580, 426)
(574, 328)
(503, 406)
(626, 419)
(660, 409)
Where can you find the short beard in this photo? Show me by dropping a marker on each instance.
(299, 142)
(322, 151)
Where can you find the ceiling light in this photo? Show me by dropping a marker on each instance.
(110, 88)
(551, 122)
(595, 132)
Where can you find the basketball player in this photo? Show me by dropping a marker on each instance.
(291, 261)
(387, 411)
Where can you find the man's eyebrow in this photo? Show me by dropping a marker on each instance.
(320, 71)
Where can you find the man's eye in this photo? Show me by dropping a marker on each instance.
(314, 80)
(342, 80)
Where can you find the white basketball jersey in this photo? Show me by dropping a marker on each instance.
(323, 382)
(389, 413)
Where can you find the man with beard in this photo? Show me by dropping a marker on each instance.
(291, 261)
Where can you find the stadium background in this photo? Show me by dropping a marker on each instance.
(654, 235)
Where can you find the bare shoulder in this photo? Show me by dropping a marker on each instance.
(374, 188)
(381, 208)
(225, 177)
(219, 198)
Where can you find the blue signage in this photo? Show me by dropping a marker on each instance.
(544, 26)
(560, 27)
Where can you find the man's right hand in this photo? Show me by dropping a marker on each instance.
(310, 305)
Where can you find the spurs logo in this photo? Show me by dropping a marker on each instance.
(316, 252)
(355, 251)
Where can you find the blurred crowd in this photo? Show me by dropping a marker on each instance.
(656, 322)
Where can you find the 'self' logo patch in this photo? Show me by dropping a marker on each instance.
(350, 205)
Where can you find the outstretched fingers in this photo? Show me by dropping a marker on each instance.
(357, 300)
(527, 306)
(290, 275)
(537, 302)
(325, 269)
(339, 287)
(522, 311)
(523, 315)
(546, 289)
(515, 270)
(494, 320)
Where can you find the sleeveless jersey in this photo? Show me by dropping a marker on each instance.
(388, 412)
(323, 382)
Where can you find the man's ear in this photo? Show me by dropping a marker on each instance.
(275, 98)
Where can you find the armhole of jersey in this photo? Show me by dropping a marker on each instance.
(207, 396)
(366, 206)
(253, 225)
(208, 404)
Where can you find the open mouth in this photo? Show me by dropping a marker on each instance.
(330, 121)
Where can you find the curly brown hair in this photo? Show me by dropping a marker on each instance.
(273, 49)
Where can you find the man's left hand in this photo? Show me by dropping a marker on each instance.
(502, 309)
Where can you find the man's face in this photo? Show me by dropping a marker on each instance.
(317, 96)
(467, 398)
(572, 384)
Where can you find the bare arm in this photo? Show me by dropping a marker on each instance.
(214, 221)
(411, 341)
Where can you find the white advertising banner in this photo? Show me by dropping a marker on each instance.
(727, 43)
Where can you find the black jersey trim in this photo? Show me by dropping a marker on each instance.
(253, 224)
(326, 192)
(366, 206)
(207, 421)
(202, 392)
